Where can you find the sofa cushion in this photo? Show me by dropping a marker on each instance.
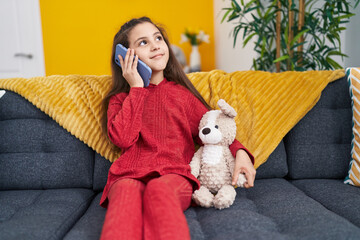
(273, 209)
(275, 166)
(333, 194)
(353, 77)
(41, 214)
(90, 224)
(319, 145)
(13, 106)
(36, 153)
(101, 169)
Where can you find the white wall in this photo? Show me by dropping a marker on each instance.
(352, 40)
(228, 58)
(232, 59)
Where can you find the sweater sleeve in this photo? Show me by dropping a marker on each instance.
(125, 117)
(236, 145)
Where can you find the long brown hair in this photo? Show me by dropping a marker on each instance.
(173, 71)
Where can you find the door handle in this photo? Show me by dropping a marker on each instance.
(29, 56)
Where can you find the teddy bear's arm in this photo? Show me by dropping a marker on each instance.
(195, 162)
(230, 160)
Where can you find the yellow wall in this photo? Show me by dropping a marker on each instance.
(78, 34)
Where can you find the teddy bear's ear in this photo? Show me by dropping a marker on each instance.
(226, 108)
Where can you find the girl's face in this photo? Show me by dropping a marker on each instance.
(149, 45)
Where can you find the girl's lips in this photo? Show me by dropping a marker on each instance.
(157, 56)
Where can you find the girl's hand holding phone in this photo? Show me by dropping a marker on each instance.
(129, 69)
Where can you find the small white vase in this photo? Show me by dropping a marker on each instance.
(195, 61)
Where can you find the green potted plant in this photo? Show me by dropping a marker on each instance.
(291, 34)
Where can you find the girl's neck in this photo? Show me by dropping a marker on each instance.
(157, 77)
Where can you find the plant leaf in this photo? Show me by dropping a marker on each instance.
(263, 46)
(282, 58)
(238, 8)
(337, 53)
(296, 38)
(333, 63)
(225, 15)
(345, 16)
(236, 32)
(249, 38)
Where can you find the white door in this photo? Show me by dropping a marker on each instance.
(21, 45)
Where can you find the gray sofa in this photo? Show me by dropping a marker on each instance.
(51, 183)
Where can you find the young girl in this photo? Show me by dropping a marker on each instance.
(151, 184)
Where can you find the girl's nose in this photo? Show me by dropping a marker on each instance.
(154, 47)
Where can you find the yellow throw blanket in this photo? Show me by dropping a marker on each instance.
(268, 104)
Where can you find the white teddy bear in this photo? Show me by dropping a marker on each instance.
(213, 164)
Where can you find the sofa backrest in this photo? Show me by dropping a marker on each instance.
(101, 169)
(319, 145)
(275, 166)
(36, 153)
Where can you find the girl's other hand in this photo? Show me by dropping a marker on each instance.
(244, 165)
(129, 69)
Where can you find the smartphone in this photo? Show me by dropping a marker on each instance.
(143, 69)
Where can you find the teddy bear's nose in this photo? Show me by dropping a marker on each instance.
(206, 131)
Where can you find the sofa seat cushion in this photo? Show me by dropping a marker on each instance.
(90, 224)
(273, 209)
(336, 196)
(41, 214)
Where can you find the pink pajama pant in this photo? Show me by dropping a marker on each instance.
(150, 210)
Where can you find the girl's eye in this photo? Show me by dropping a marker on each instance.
(159, 38)
(142, 43)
